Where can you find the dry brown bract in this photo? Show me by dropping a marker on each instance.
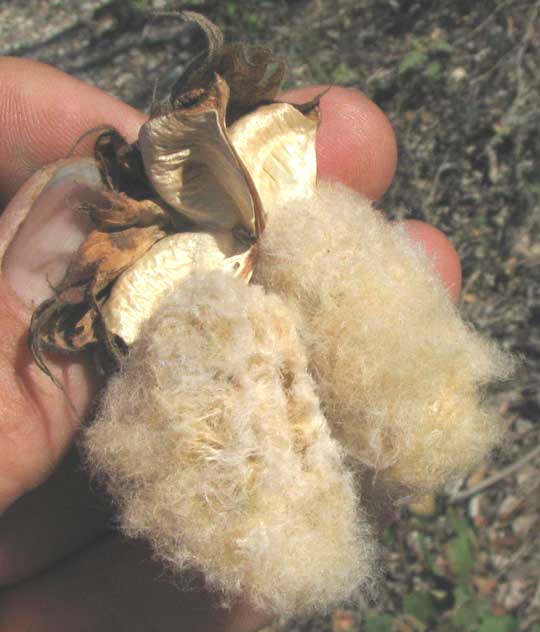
(218, 435)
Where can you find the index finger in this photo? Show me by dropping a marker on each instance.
(43, 112)
(355, 142)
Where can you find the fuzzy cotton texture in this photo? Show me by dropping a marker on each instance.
(213, 444)
(399, 374)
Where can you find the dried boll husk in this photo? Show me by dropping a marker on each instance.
(276, 143)
(400, 376)
(212, 442)
(138, 291)
(192, 165)
(188, 172)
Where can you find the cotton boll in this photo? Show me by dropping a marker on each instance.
(212, 442)
(400, 376)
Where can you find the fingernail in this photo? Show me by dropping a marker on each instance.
(46, 227)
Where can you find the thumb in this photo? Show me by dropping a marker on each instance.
(39, 232)
(42, 113)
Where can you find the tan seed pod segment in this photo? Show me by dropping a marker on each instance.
(401, 377)
(193, 167)
(213, 444)
(276, 143)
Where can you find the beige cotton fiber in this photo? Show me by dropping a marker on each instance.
(213, 444)
(401, 378)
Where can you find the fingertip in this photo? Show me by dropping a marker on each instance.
(442, 252)
(356, 143)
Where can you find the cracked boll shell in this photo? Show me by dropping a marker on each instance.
(213, 444)
(400, 376)
(138, 291)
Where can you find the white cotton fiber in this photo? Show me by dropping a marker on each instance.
(213, 444)
(400, 376)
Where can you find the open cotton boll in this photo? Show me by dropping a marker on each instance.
(213, 444)
(399, 375)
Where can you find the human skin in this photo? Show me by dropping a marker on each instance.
(61, 567)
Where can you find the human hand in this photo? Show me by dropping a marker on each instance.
(50, 510)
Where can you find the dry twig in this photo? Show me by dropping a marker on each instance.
(499, 476)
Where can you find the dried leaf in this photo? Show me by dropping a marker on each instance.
(139, 289)
(344, 621)
(421, 605)
(425, 506)
(493, 623)
(195, 170)
(378, 622)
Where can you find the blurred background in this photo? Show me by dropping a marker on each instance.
(460, 82)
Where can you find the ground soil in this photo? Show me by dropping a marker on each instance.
(460, 82)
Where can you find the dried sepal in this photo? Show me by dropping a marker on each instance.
(103, 256)
(66, 322)
(121, 165)
(137, 293)
(194, 168)
(200, 71)
(117, 211)
(252, 72)
(254, 75)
